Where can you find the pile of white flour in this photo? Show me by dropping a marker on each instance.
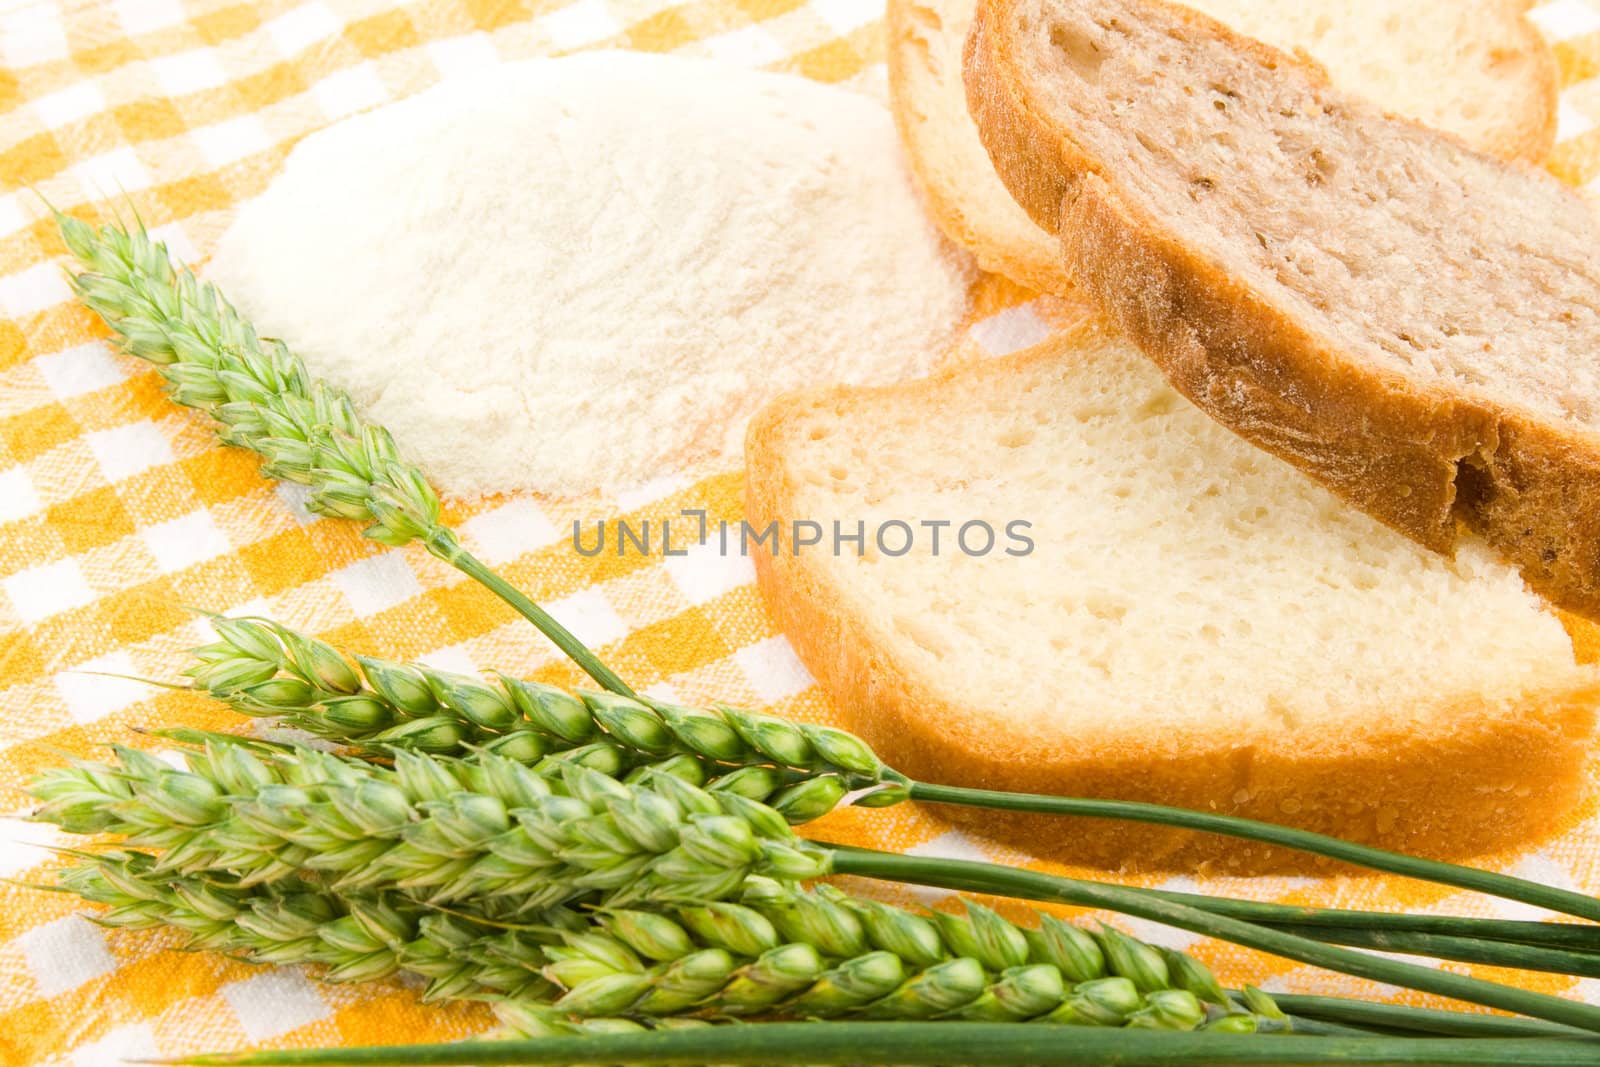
(582, 273)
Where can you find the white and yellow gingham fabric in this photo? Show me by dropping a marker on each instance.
(116, 507)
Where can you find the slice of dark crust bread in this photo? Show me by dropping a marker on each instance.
(1415, 325)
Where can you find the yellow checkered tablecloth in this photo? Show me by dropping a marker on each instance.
(116, 507)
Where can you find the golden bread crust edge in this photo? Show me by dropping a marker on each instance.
(1417, 460)
(1504, 773)
(1538, 136)
(1024, 264)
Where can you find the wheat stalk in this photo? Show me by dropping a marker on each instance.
(920, 1044)
(443, 830)
(356, 937)
(448, 830)
(782, 952)
(779, 952)
(265, 400)
(261, 668)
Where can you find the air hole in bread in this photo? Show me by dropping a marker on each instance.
(1015, 438)
(1105, 607)
(1081, 53)
(1319, 167)
(1474, 485)
(1163, 403)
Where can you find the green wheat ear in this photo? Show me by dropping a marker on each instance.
(262, 668)
(780, 952)
(443, 830)
(260, 392)
(265, 400)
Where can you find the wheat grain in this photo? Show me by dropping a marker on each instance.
(779, 952)
(784, 952)
(260, 667)
(441, 829)
(356, 938)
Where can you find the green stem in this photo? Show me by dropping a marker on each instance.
(1377, 859)
(1305, 1026)
(932, 1044)
(1527, 946)
(1454, 947)
(1031, 885)
(1417, 1020)
(443, 544)
(1453, 931)
(1575, 936)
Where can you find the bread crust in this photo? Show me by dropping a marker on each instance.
(1537, 138)
(1032, 259)
(1029, 262)
(1419, 460)
(1463, 777)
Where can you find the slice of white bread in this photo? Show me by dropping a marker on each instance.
(1474, 68)
(1414, 324)
(1198, 624)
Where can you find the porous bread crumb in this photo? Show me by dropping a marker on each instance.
(583, 273)
(1476, 69)
(1179, 576)
(1198, 624)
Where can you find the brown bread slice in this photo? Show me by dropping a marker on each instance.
(1476, 68)
(1415, 325)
